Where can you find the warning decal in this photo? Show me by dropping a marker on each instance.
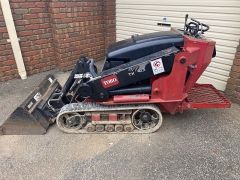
(157, 66)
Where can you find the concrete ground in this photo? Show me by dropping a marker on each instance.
(200, 144)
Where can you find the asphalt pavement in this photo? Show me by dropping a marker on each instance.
(198, 144)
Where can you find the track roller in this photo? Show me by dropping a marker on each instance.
(118, 128)
(71, 122)
(90, 128)
(128, 128)
(109, 128)
(145, 119)
(99, 127)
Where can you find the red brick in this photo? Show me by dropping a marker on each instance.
(36, 10)
(25, 33)
(41, 41)
(5, 35)
(22, 22)
(44, 26)
(25, 44)
(30, 53)
(237, 62)
(236, 68)
(58, 4)
(36, 21)
(59, 15)
(32, 26)
(26, 5)
(42, 15)
(40, 4)
(30, 16)
(3, 29)
(5, 68)
(20, 11)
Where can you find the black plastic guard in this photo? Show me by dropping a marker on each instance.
(33, 116)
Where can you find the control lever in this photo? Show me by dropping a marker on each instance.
(185, 24)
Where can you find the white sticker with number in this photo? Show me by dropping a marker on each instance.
(157, 66)
(37, 96)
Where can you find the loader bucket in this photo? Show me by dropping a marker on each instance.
(33, 116)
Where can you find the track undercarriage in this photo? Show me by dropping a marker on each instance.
(96, 118)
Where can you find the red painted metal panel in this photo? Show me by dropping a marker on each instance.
(187, 68)
(200, 60)
(131, 98)
(112, 117)
(96, 117)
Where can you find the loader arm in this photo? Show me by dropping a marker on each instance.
(106, 82)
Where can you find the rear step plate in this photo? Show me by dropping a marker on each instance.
(206, 96)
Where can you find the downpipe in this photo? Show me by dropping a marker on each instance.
(13, 38)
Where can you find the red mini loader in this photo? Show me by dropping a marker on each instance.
(142, 77)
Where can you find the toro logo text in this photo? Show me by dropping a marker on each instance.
(109, 81)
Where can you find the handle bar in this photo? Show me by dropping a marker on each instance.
(202, 24)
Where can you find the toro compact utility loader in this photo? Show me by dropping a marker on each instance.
(142, 77)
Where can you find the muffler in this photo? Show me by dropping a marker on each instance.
(35, 114)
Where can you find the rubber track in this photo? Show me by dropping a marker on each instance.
(95, 107)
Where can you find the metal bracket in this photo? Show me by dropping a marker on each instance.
(81, 76)
(9, 40)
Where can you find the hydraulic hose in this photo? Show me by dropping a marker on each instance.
(92, 68)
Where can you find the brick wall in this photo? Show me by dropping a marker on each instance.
(110, 22)
(233, 85)
(54, 33)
